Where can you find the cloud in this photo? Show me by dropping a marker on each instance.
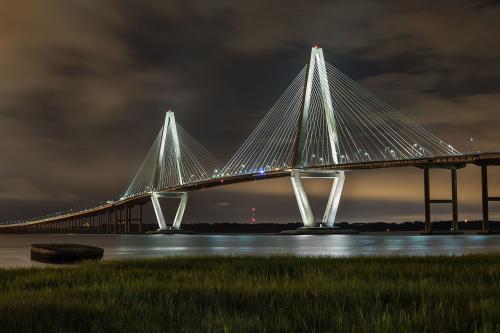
(21, 190)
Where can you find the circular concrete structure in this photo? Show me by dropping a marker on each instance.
(65, 253)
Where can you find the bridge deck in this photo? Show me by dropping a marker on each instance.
(458, 161)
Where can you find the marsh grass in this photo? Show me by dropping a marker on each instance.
(252, 294)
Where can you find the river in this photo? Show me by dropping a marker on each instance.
(15, 248)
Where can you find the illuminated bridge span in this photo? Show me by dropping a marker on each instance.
(323, 125)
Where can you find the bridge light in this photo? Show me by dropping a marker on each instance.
(261, 171)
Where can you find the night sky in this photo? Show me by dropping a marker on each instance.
(84, 86)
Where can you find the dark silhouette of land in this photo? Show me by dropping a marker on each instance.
(278, 227)
(362, 227)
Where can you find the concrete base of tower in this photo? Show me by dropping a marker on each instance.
(170, 232)
(319, 231)
(436, 233)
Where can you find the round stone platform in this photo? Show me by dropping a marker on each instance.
(170, 232)
(319, 231)
(65, 253)
(437, 233)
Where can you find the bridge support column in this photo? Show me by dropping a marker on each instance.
(485, 203)
(453, 201)
(487, 227)
(427, 199)
(119, 220)
(116, 221)
(108, 221)
(140, 218)
(127, 219)
(303, 202)
(183, 196)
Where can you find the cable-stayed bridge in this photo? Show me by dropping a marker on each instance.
(323, 125)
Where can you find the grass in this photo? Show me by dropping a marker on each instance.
(252, 294)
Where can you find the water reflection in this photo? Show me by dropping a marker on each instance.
(14, 249)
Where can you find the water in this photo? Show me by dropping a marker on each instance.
(15, 249)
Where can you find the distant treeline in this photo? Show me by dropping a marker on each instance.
(277, 227)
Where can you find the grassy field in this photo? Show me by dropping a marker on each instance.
(250, 294)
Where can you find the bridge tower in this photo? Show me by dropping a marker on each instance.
(175, 160)
(169, 144)
(316, 68)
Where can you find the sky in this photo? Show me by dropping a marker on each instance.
(84, 86)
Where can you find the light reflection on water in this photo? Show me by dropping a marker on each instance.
(14, 249)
